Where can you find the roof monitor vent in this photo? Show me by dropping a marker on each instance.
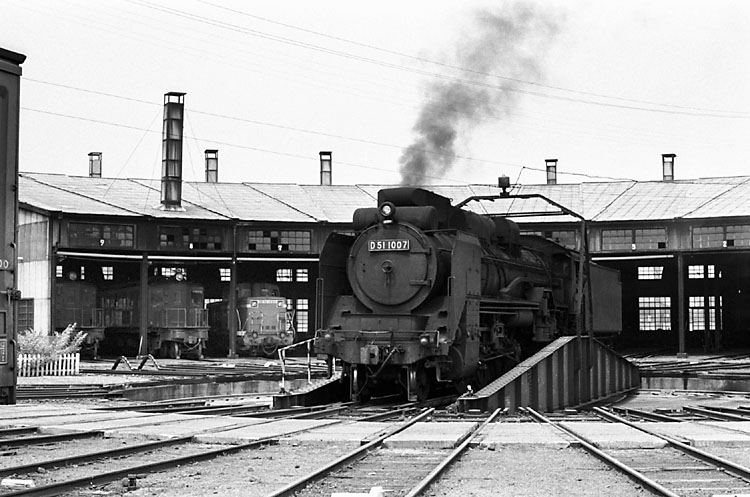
(551, 171)
(326, 168)
(212, 166)
(171, 164)
(95, 164)
(667, 165)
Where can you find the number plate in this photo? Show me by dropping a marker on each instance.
(388, 245)
(3, 351)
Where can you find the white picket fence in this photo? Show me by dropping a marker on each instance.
(38, 365)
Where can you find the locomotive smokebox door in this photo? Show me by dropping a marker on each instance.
(369, 354)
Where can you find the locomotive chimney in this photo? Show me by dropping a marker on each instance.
(212, 166)
(326, 168)
(95, 164)
(551, 171)
(171, 164)
(667, 166)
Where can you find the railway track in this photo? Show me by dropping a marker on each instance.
(674, 470)
(139, 459)
(31, 392)
(405, 472)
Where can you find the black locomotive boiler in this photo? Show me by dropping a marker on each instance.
(427, 294)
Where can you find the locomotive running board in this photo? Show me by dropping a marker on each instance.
(570, 372)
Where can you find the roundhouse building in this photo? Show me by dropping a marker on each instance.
(682, 246)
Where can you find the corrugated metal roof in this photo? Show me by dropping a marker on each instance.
(49, 193)
(244, 202)
(603, 202)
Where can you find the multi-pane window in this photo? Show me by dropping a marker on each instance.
(302, 315)
(225, 274)
(567, 239)
(24, 314)
(737, 236)
(654, 313)
(284, 275)
(101, 235)
(301, 275)
(170, 272)
(278, 241)
(700, 271)
(650, 272)
(190, 238)
(108, 272)
(650, 239)
(703, 312)
(634, 239)
(617, 240)
(708, 236)
(721, 236)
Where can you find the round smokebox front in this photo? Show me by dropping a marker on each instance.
(391, 265)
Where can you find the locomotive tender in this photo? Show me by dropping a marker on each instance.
(426, 294)
(263, 322)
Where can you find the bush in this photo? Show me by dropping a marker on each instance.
(52, 346)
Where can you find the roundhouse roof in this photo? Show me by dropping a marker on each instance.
(276, 202)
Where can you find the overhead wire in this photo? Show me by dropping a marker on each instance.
(287, 154)
(324, 134)
(463, 69)
(687, 111)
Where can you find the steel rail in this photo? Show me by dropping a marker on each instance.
(715, 414)
(354, 455)
(387, 415)
(741, 411)
(65, 486)
(18, 431)
(637, 476)
(428, 480)
(92, 456)
(735, 468)
(45, 439)
(651, 416)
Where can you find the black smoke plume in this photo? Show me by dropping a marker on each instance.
(502, 49)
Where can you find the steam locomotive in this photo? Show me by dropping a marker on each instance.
(427, 295)
(263, 322)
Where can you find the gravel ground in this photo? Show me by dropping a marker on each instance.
(252, 473)
(532, 471)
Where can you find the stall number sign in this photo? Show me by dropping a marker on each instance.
(388, 245)
(3, 351)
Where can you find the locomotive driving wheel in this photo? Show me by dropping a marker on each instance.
(419, 384)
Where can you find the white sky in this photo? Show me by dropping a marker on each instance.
(618, 84)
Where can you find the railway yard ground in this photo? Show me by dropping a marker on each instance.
(94, 440)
